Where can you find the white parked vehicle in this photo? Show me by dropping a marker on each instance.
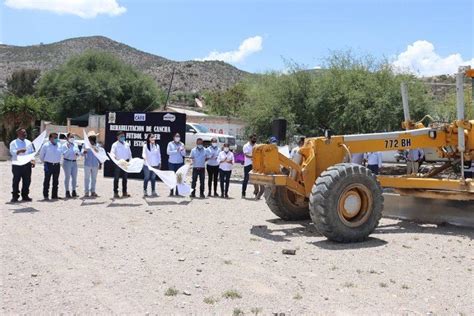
(195, 131)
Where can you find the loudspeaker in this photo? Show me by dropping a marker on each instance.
(279, 130)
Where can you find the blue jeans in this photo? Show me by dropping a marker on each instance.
(70, 173)
(90, 178)
(149, 176)
(174, 167)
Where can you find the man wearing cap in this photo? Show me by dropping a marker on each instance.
(18, 147)
(70, 153)
(50, 155)
(121, 151)
(91, 165)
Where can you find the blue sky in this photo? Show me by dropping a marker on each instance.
(441, 32)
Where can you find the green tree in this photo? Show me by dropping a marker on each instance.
(20, 112)
(98, 82)
(228, 102)
(22, 82)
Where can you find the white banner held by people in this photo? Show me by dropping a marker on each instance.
(99, 153)
(135, 165)
(36, 144)
(184, 189)
(167, 176)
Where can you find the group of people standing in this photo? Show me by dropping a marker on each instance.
(51, 154)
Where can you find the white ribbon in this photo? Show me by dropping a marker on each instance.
(135, 165)
(184, 189)
(167, 176)
(36, 143)
(100, 154)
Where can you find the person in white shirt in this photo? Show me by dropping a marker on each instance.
(247, 149)
(226, 162)
(18, 147)
(374, 161)
(176, 153)
(121, 151)
(414, 158)
(299, 145)
(212, 166)
(50, 155)
(152, 156)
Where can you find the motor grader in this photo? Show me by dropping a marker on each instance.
(343, 199)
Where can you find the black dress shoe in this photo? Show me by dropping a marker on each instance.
(202, 196)
(26, 199)
(74, 194)
(68, 195)
(14, 200)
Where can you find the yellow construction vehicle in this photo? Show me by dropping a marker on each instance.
(343, 199)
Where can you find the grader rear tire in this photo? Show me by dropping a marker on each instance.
(346, 203)
(281, 202)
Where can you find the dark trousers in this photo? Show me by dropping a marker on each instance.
(212, 175)
(21, 173)
(51, 170)
(174, 167)
(247, 170)
(198, 173)
(224, 177)
(119, 173)
(374, 169)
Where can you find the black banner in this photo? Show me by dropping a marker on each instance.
(136, 127)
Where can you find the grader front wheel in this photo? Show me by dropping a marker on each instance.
(346, 203)
(286, 204)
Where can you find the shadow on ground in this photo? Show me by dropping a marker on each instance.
(24, 210)
(307, 229)
(302, 229)
(165, 203)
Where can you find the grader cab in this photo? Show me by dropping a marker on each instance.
(343, 199)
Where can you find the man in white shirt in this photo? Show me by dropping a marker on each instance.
(414, 158)
(298, 146)
(374, 161)
(247, 150)
(176, 153)
(50, 155)
(121, 151)
(18, 147)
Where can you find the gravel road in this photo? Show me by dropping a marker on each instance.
(213, 256)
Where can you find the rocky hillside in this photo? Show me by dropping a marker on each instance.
(190, 76)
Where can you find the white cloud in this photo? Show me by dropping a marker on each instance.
(248, 47)
(421, 58)
(83, 8)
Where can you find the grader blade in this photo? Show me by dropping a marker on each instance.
(429, 210)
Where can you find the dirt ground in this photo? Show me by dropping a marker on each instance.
(213, 256)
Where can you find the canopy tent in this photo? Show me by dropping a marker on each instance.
(82, 120)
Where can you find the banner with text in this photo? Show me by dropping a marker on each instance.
(136, 127)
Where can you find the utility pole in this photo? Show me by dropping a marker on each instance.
(169, 89)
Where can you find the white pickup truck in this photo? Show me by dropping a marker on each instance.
(195, 131)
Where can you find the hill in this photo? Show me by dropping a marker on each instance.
(190, 76)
